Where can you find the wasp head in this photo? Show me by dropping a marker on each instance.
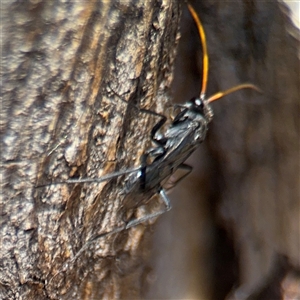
(201, 106)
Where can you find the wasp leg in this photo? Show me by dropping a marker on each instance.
(130, 224)
(159, 141)
(156, 127)
(93, 240)
(167, 204)
(188, 170)
(179, 117)
(93, 180)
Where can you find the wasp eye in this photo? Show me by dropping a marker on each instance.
(197, 104)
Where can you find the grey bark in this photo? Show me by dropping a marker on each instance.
(68, 69)
(61, 119)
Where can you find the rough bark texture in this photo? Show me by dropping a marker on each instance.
(68, 70)
(237, 223)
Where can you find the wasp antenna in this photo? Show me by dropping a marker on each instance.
(204, 49)
(232, 90)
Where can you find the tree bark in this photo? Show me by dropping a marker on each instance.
(68, 71)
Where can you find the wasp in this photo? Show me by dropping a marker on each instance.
(181, 138)
(186, 131)
(183, 135)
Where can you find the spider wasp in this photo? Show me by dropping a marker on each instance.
(172, 147)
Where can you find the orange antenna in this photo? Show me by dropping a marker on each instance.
(205, 66)
(204, 49)
(232, 90)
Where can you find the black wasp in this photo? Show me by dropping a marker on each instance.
(185, 132)
(179, 140)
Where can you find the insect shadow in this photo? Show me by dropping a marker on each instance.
(172, 147)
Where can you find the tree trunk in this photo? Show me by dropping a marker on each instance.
(69, 69)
